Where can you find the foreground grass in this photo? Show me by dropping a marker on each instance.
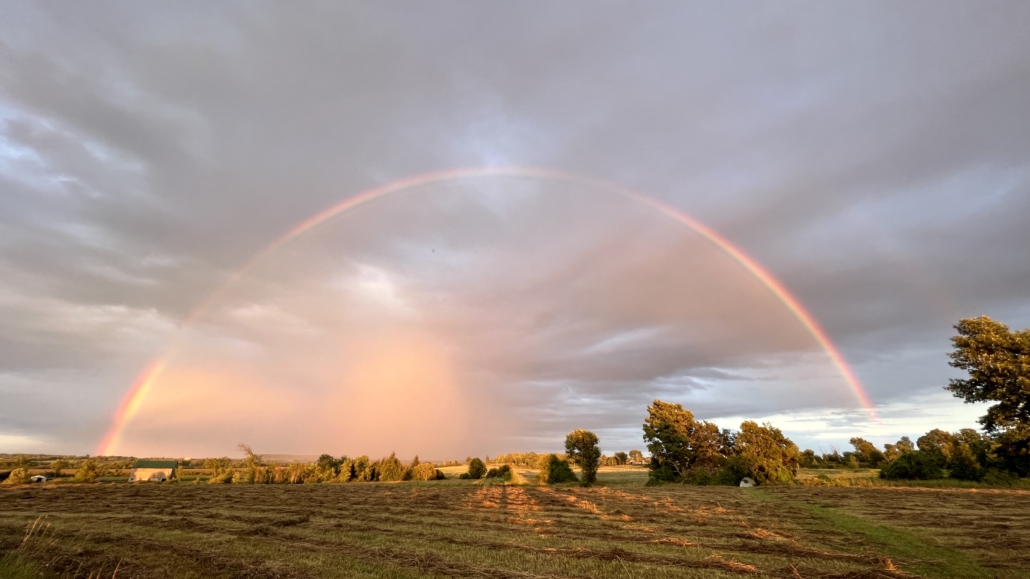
(925, 555)
(452, 528)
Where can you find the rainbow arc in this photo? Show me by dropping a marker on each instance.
(134, 397)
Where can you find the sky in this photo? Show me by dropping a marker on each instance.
(872, 157)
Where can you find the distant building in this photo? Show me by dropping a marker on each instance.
(39, 478)
(153, 470)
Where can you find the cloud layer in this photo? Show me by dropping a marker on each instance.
(873, 157)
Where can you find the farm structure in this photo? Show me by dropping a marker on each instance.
(153, 470)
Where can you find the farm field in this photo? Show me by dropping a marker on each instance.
(452, 528)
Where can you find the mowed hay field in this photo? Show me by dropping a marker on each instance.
(466, 529)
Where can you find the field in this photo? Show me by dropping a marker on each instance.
(452, 528)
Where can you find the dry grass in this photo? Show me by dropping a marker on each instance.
(466, 529)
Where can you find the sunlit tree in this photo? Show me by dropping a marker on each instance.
(678, 442)
(770, 456)
(997, 361)
(581, 448)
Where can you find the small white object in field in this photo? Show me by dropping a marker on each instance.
(747, 482)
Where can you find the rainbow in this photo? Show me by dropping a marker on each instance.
(135, 395)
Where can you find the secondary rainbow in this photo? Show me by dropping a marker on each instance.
(136, 394)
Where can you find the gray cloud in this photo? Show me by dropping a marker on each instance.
(873, 157)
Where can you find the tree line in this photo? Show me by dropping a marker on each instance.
(997, 362)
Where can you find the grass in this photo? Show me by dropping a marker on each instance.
(925, 555)
(486, 529)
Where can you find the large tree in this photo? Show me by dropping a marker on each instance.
(679, 442)
(771, 457)
(581, 448)
(997, 360)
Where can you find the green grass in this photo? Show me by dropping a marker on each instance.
(925, 556)
(14, 567)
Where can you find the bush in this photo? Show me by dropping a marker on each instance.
(18, 476)
(963, 466)
(503, 473)
(913, 466)
(465, 476)
(554, 470)
(424, 471)
(732, 472)
(476, 469)
(998, 478)
(223, 478)
(88, 472)
(660, 474)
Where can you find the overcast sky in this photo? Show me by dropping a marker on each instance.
(872, 156)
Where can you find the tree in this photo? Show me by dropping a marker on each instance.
(771, 456)
(59, 465)
(253, 460)
(962, 465)
(678, 442)
(937, 443)
(476, 469)
(998, 363)
(88, 471)
(867, 451)
(620, 457)
(636, 456)
(391, 468)
(581, 448)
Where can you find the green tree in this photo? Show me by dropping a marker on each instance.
(391, 468)
(581, 448)
(771, 457)
(476, 469)
(636, 456)
(678, 442)
(997, 361)
(620, 457)
(962, 464)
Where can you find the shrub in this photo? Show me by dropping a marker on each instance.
(424, 471)
(503, 472)
(699, 477)
(913, 466)
(88, 472)
(963, 466)
(222, 478)
(554, 470)
(476, 468)
(465, 476)
(999, 478)
(18, 476)
(661, 473)
(732, 471)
